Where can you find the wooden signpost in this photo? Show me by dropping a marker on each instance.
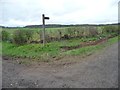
(43, 19)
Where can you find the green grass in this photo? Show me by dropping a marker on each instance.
(90, 49)
(76, 41)
(38, 52)
(30, 50)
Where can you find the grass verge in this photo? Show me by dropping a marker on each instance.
(50, 50)
(91, 49)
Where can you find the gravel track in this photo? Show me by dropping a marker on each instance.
(99, 70)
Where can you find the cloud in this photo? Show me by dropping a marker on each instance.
(25, 12)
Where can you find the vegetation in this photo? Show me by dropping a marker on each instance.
(5, 36)
(21, 37)
(57, 34)
(90, 49)
(26, 42)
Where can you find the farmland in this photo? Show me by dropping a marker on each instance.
(60, 42)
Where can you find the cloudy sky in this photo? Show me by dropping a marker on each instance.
(29, 12)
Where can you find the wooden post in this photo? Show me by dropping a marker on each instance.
(43, 19)
(43, 29)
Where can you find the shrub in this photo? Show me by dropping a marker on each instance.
(47, 37)
(29, 35)
(5, 35)
(59, 34)
(110, 29)
(22, 36)
(93, 31)
(70, 31)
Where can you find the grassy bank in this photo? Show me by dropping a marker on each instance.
(37, 50)
(91, 49)
(50, 50)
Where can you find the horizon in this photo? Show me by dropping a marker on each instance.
(58, 24)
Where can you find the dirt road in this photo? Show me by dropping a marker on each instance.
(99, 70)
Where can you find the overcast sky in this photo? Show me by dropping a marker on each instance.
(29, 12)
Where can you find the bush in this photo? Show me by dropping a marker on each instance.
(110, 29)
(93, 31)
(5, 35)
(70, 31)
(22, 36)
(29, 35)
